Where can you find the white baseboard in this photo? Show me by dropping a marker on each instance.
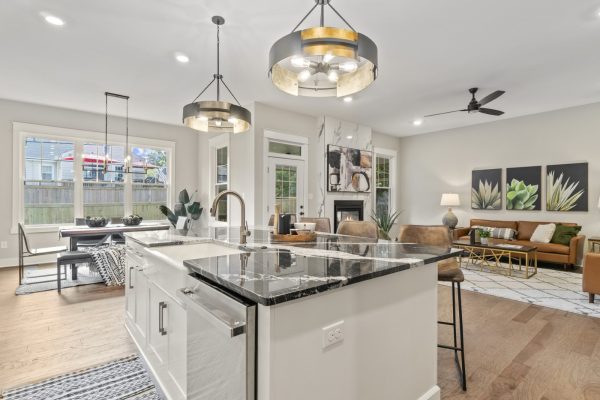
(14, 261)
(432, 394)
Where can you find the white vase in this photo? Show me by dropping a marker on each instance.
(484, 240)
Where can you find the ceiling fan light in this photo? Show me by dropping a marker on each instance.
(333, 76)
(328, 57)
(300, 62)
(349, 66)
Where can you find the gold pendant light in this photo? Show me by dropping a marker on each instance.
(323, 61)
(217, 116)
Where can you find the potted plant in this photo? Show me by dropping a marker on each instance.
(484, 235)
(186, 207)
(385, 222)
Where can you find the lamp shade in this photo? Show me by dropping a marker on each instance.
(450, 200)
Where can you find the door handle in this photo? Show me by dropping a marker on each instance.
(130, 285)
(161, 318)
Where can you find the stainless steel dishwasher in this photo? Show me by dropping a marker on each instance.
(221, 348)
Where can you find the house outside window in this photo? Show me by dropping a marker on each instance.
(385, 178)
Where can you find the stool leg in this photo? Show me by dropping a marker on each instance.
(454, 320)
(58, 277)
(462, 340)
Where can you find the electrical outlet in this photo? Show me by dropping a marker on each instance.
(3, 245)
(332, 334)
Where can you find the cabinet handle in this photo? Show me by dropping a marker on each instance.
(161, 323)
(130, 285)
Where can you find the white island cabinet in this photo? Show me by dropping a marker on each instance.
(338, 319)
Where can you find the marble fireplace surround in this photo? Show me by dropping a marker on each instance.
(332, 131)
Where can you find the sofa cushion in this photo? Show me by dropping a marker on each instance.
(544, 247)
(564, 233)
(494, 224)
(543, 233)
(526, 228)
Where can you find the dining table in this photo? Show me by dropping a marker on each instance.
(76, 232)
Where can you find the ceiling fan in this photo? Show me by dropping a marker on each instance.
(474, 106)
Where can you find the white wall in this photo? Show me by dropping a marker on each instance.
(435, 163)
(186, 141)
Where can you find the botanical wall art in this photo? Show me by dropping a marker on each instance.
(523, 186)
(348, 170)
(567, 187)
(486, 189)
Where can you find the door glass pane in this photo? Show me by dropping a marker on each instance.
(150, 182)
(103, 189)
(222, 179)
(285, 148)
(286, 188)
(48, 192)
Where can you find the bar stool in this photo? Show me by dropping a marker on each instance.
(448, 271)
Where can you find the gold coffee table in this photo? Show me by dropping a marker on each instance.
(489, 255)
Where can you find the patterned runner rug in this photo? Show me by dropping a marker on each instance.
(561, 290)
(121, 379)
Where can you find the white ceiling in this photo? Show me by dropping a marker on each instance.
(543, 53)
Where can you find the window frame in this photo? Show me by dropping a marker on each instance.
(214, 144)
(390, 155)
(23, 130)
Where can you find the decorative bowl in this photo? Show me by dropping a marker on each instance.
(305, 226)
(96, 222)
(132, 220)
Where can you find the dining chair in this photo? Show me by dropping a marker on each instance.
(448, 271)
(322, 224)
(362, 229)
(25, 252)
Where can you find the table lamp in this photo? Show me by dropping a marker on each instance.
(450, 200)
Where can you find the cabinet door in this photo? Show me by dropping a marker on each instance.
(177, 338)
(158, 309)
(141, 302)
(130, 289)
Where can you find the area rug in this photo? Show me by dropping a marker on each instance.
(41, 279)
(121, 379)
(549, 288)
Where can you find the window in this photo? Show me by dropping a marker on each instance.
(285, 188)
(60, 174)
(222, 181)
(285, 148)
(384, 178)
(48, 185)
(103, 190)
(150, 182)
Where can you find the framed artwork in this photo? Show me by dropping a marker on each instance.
(523, 188)
(567, 187)
(348, 170)
(486, 189)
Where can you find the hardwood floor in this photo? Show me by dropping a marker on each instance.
(46, 334)
(519, 351)
(514, 350)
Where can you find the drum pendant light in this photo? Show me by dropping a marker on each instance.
(217, 116)
(323, 61)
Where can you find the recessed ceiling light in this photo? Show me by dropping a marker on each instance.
(417, 122)
(182, 58)
(53, 19)
(349, 137)
(348, 99)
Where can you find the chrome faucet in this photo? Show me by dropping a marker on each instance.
(244, 231)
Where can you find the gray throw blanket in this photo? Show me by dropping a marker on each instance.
(110, 263)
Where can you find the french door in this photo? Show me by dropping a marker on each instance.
(285, 178)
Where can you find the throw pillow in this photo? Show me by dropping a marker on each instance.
(498, 233)
(564, 233)
(543, 233)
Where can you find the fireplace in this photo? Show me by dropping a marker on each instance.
(347, 210)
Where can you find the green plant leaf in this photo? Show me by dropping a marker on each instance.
(184, 196)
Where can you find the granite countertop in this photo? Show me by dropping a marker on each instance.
(271, 273)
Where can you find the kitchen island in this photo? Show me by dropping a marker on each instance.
(339, 318)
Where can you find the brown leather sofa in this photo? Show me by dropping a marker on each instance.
(548, 252)
(591, 275)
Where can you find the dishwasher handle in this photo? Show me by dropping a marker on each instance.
(231, 328)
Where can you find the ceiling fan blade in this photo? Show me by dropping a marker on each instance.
(447, 112)
(491, 96)
(490, 111)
